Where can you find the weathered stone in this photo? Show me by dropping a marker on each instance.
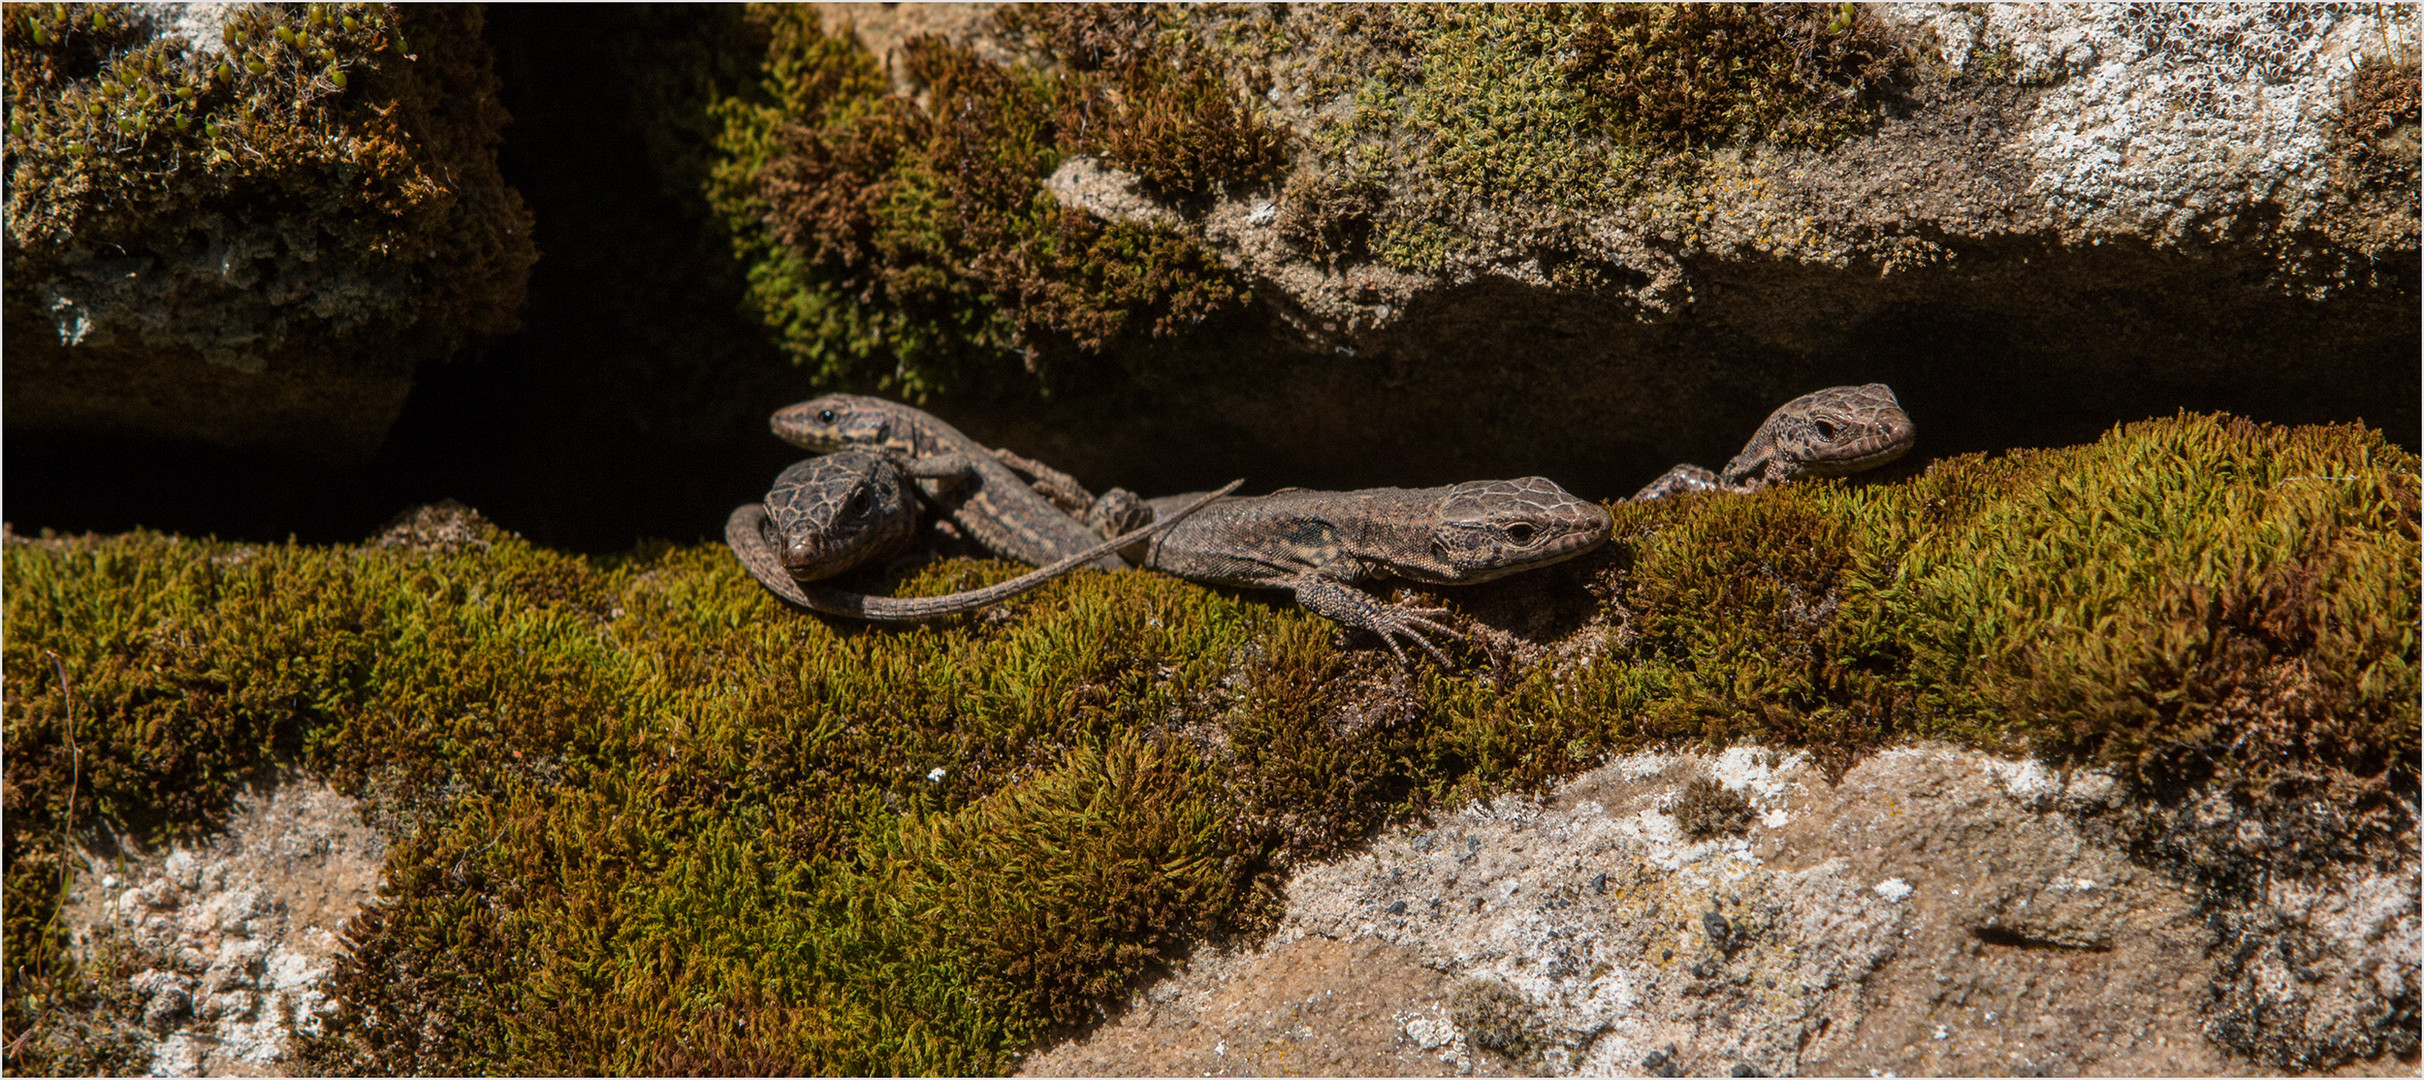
(241, 963)
(1937, 911)
(246, 226)
(2046, 220)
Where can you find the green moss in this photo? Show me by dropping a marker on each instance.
(1459, 107)
(1579, 109)
(903, 240)
(323, 184)
(2186, 601)
(1699, 74)
(653, 822)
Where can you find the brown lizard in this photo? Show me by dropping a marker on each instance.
(832, 514)
(1320, 544)
(959, 475)
(1830, 432)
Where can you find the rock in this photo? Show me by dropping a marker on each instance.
(238, 965)
(1925, 915)
(239, 225)
(1484, 247)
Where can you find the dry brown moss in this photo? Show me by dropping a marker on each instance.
(1140, 93)
(1695, 74)
(1708, 810)
(2374, 171)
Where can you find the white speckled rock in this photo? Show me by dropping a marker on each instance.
(241, 931)
(1936, 911)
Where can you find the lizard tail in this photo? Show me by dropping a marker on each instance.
(744, 533)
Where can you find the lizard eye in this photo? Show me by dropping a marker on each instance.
(1520, 532)
(826, 417)
(858, 503)
(1825, 429)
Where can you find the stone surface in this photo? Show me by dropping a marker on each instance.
(2066, 216)
(239, 933)
(1937, 911)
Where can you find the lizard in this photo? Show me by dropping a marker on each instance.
(1831, 432)
(968, 482)
(832, 514)
(1315, 544)
(1320, 544)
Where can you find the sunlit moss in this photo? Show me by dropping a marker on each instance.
(902, 239)
(651, 821)
(1572, 109)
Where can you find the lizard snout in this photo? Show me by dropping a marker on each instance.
(808, 556)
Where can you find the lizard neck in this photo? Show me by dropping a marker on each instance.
(1389, 532)
(1757, 464)
(928, 434)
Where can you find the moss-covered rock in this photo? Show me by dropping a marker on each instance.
(1347, 245)
(648, 820)
(248, 224)
(903, 238)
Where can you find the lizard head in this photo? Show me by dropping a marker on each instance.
(842, 422)
(1491, 528)
(1831, 432)
(834, 513)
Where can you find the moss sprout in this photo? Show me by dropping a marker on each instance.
(1708, 810)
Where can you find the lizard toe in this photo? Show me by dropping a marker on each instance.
(1410, 624)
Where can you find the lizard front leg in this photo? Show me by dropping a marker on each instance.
(1061, 488)
(1354, 607)
(1680, 479)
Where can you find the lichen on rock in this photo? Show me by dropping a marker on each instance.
(234, 938)
(247, 224)
(2162, 122)
(1583, 933)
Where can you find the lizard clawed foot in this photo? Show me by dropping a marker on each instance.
(1356, 608)
(1395, 621)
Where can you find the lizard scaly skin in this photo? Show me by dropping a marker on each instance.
(1830, 432)
(836, 513)
(1320, 544)
(830, 514)
(994, 506)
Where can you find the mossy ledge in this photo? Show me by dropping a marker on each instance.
(901, 238)
(648, 821)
